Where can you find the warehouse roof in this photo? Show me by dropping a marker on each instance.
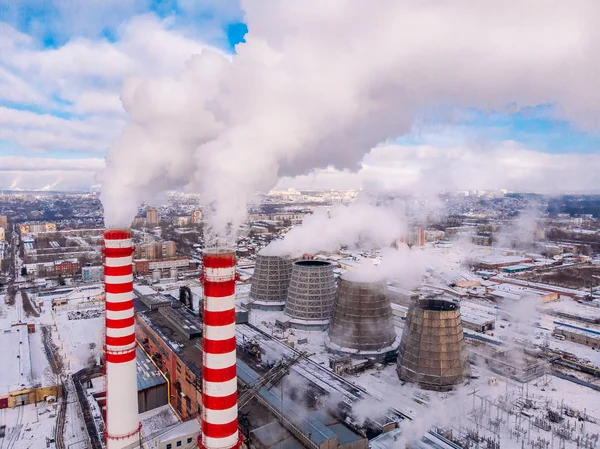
(310, 427)
(148, 375)
(15, 372)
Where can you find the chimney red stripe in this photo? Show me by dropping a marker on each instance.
(118, 271)
(118, 252)
(120, 341)
(219, 430)
(219, 289)
(121, 357)
(119, 324)
(218, 260)
(117, 234)
(119, 306)
(219, 402)
(219, 375)
(218, 346)
(119, 288)
(219, 318)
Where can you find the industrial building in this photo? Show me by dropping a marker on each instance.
(517, 292)
(580, 335)
(19, 384)
(401, 296)
(270, 282)
(477, 320)
(310, 295)
(362, 323)
(433, 352)
(176, 351)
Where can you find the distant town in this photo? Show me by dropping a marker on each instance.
(516, 274)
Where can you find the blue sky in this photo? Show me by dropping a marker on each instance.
(63, 111)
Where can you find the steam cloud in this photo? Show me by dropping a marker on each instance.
(405, 265)
(318, 84)
(357, 225)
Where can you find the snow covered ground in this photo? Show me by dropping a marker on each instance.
(72, 337)
(28, 426)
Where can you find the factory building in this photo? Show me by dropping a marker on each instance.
(310, 295)
(362, 323)
(401, 296)
(433, 352)
(158, 334)
(513, 292)
(477, 321)
(270, 282)
(18, 384)
(580, 335)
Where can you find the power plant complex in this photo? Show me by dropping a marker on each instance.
(355, 317)
(414, 345)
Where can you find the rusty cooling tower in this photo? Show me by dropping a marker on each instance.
(432, 352)
(310, 295)
(362, 323)
(270, 282)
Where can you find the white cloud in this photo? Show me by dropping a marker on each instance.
(41, 132)
(87, 76)
(318, 84)
(18, 172)
(23, 164)
(430, 169)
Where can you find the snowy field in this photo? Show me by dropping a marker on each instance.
(28, 426)
(72, 332)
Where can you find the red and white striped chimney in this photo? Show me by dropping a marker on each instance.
(219, 378)
(122, 422)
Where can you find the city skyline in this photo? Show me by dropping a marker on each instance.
(63, 69)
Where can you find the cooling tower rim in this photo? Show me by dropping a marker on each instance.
(273, 257)
(312, 264)
(376, 284)
(436, 305)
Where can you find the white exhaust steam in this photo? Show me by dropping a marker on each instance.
(319, 84)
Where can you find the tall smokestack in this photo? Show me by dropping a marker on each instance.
(122, 423)
(219, 378)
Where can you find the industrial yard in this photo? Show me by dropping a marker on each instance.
(440, 343)
(502, 376)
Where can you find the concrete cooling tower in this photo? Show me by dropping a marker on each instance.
(362, 323)
(310, 295)
(432, 351)
(270, 282)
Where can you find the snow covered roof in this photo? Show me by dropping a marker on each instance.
(15, 371)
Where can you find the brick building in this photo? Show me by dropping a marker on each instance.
(158, 332)
(66, 267)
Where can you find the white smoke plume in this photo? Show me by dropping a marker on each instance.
(358, 225)
(405, 265)
(522, 230)
(318, 84)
